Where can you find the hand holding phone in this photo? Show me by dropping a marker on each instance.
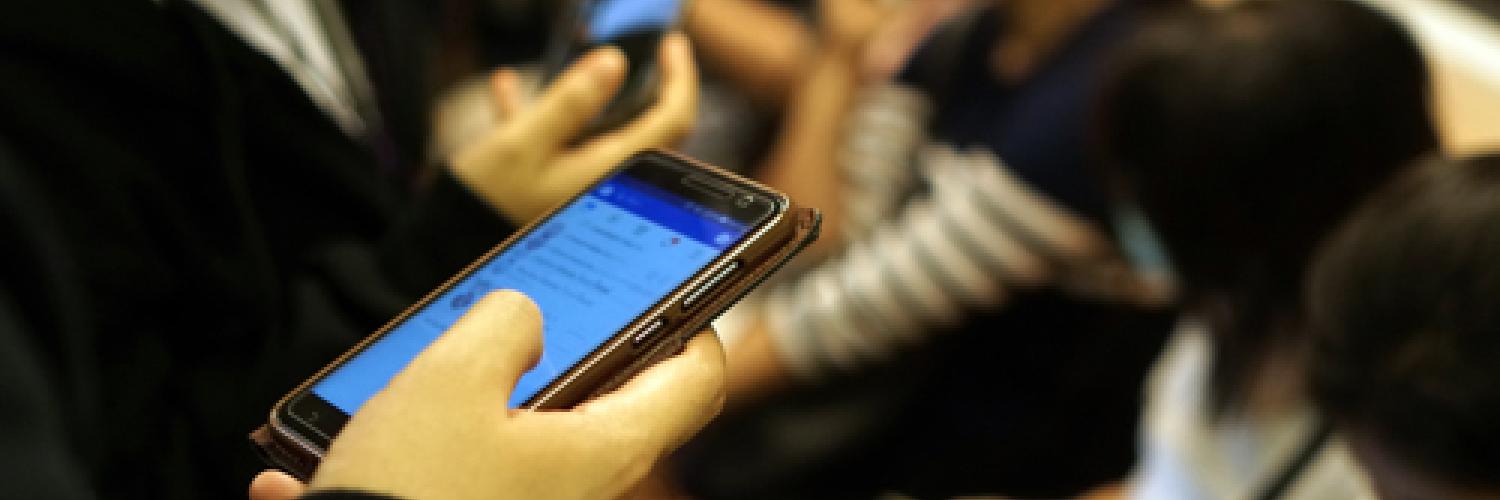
(439, 430)
(636, 28)
(624, 274)
(530, 162)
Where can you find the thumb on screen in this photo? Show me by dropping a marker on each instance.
(479, 358)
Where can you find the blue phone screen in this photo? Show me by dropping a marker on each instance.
(610, 20)
(592, 268)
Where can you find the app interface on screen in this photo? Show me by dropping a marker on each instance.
(592, 268)
(609, 20)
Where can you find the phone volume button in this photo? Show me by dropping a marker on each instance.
(717, 277)
(647, 330)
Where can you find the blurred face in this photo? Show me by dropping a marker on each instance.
(1396, 480)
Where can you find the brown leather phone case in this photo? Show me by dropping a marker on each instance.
(292, 459)
(600, 373)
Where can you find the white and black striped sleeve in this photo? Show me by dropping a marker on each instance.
(979, 235)
(883, 135)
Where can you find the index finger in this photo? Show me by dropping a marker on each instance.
(671, 401)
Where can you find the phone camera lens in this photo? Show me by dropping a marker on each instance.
(744, 200)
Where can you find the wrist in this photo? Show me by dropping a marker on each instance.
(475, 172)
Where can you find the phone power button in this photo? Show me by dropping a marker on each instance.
(647, 330)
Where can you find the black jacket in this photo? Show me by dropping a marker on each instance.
(186, 237)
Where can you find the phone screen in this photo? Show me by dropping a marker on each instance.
(593, 267)
(611, 21)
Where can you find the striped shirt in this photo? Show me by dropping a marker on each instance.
(933, 232)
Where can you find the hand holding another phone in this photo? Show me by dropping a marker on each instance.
(441, 428)
(529, 164)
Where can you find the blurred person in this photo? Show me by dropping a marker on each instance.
(203, 206)
(1406, 332)
(972, 301)
(1237, 139)
(926, 167)
(974, 66)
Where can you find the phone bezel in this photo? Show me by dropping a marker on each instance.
(672, 173)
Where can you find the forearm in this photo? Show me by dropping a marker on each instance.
(761, 49)
(804, 161)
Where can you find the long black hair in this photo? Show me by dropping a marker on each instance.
(1245, 134)
(1405, 312)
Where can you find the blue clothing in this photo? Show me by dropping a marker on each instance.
(1038, 127)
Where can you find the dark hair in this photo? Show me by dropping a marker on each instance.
(1405, 311)
(1246, 134)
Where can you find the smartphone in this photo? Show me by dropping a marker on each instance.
(636, 27)
(624, 273)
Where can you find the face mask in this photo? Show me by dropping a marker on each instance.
(1140, 243)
